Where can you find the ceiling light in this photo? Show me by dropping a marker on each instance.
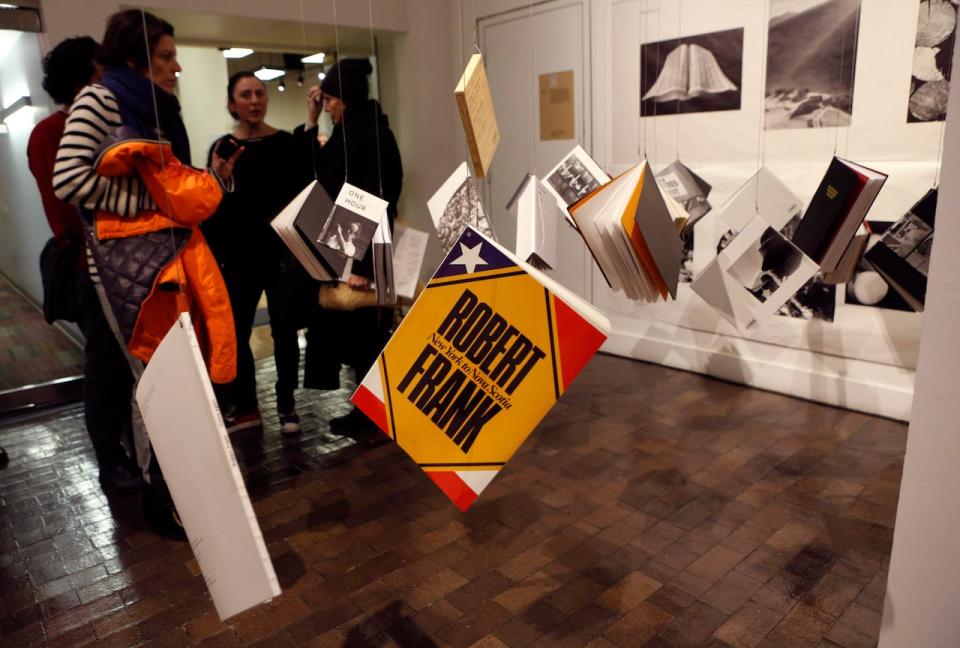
(321, 75)
(314, 58)
(282, 86)
(267, 73)
(9, 111)
(4, 5)
(237, 52)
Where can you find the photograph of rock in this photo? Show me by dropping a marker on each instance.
(811, 60)
(932, 60)
(692, 74)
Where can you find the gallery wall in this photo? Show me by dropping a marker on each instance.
(863, 359)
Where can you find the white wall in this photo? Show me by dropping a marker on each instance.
(202, 89)
(922, 606)
(23, 226)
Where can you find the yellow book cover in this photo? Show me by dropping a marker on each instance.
(482, 356)
(476, 112)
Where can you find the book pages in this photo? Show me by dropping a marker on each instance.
(409, 249)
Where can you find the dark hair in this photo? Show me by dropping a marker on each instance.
(236, 78)
(123, 42)
(68, 67)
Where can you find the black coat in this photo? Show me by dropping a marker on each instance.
(362, 167)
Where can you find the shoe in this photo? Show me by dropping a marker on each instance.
(235, 422)
(4, 459)
(353, 422)
(163, 518)
(289, 423)
(120, 478)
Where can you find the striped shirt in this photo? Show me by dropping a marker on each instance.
(93, 116)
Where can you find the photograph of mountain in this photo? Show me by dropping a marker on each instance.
(932, 60)
(691, 74)
(811, 60)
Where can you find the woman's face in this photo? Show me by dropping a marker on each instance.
(163, 64)
(334, 106)
(249, 100)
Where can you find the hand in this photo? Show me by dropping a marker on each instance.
(314, 105)
(224, 168)
(322, 138)
(358, 283)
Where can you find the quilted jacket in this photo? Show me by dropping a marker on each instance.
(157, 264)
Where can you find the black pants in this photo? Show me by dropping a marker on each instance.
(284, 284)
(353, 338)
(107, 382)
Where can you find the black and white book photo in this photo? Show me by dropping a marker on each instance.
(574, 177)
(811, 59)
(353, 222)
(691, 74)
(932, 60)
(457, 204)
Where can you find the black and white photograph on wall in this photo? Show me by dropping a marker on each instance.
(811, 61)
(868, 287)
(932, 60)
(463, 209)
(766, 264)
(572, 180)
(348, 232)
(691, 74)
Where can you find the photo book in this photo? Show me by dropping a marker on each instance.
(409, 249)
(477, 114)
(383, 271)
(455, 205)
(902, 256)
(688, 189)
(481, 357)
(191, 445)
(836, 211)
(355, 218)
(300, 226)
(628, 226)
(537, 215)
(758, 272)
(764, 195)
(574, 177)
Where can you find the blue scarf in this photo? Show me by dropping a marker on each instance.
(135, 96)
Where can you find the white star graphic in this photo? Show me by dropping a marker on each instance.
(470, 257)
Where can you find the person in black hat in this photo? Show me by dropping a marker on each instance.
(362, 151)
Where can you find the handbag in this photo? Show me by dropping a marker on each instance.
(59, 274)
(342, 297)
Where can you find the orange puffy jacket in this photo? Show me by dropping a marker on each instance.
(186, 196)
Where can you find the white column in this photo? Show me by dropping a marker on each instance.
(922, 605)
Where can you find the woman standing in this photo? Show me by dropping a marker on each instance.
(274, 167)
(363, 152)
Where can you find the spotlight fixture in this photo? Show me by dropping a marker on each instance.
(4, 5)
(268, 73)
(321, 75)
(22, 102)
(176, 74)
(314, 58)
(300, 79)
(236, 52)
(282, 87)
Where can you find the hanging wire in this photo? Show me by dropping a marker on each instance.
(463, 60)
(843, 47)
(181, 280)
(303, 40)
(476, 42)
(376, 113)
(853, 77)
(761, 130)
(343, 112)
(936, 177)
(532, 151)
(655, 102)
(641, 38)
(680, 41)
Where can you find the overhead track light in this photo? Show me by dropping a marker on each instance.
(236, 52)
(314, 58)
(268, 73)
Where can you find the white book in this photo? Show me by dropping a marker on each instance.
(191, 444)
(299, 243)
(764, 195)
(457, 204)
(537, 216)
(409, 249)
(353, 222)
(574, 177)
(755, 275)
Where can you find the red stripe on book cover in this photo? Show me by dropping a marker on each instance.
(372, 406)
(454, 488)
(577, 341)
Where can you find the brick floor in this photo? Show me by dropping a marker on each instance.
(651, 508)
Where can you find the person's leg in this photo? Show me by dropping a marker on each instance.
(244, 285)
(324, 352)
(281, 297)
(369, 329)
(107, 388)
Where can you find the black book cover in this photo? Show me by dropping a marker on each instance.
(827, 209)
(310, 223)
(902, 259)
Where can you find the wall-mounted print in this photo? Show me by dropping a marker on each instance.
(932, 61)
(811, 59)
(691, 74)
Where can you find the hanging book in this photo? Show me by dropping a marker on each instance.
(383, 279)
(482, 356)
(764, 195)
(628, 226)
(902, 256)
(477, 115)
(688, 189)
(455, 205)
(836, 211)
(191, 444)
(409, 248)
(754, 276)
(300, 225)
(354, 220)
(574, 177)
(537, 215)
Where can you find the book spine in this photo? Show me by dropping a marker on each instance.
(471, 138)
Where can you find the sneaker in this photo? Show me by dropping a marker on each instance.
(289, 423)
(235, 422)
